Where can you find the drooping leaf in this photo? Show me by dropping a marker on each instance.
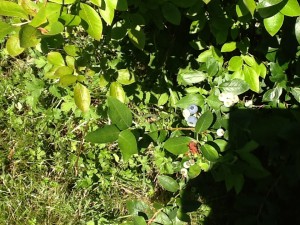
(252, 78)
(268, 8)
(291, 8)
(119, 113)
(106, 134)
(204, 122)
(272, 94)
(235, 63)
(168, 183)
(116, 90)
(192, 99)
(127, 144)
(171, 13)
(297, 29)
(125, 77)
(209, 152)
(137, 37)
(82, 97)
(274, 23)
(8, 8)
(235, 86)
(13, 46)
(93, 20)
(107, 11)
(251, 5)
(188, 77)
(177, 145)
(29, 36)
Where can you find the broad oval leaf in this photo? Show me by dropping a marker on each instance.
(168, 183)
(55, 58)
(13, 46)
(119, 113)
(229, 47)
(235, 86)
(251, 5)
(192, 99)
(127, 144)
(107, 12)
(187, 77)
(8, 8)
(67, 80)
(171, 13)
(93, 20)
(274, 23)
(235, 63)
(106, 134)
(252, 78)
(29, 36)
(291, 8)
(177, 145)
(222, 144)
(209, 152)
(116, 90)
(204, 122)
(82, 97)
(268, 8)
(125, 77)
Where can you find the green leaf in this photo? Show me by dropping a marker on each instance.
(229, 47)
(125, 77)
(116, 90)
(63, 1)
(214, 102)
(252, 78)
(209, 152)
(297, 29)
(106, 134)
(274, 23)
(194, 171)
(54, 28)
(139, 220)
(296, 93)
(71, 50)
(192, 99)
(272, 94)
(177, 145)
(163, 99)
(171, 13)
(291, 8)
(118, 31)
(107, 11)
(268, 8)
(222, 144)
(188, 77)
(5, 29)
(137, 37)
(235, 63)
(251, 5)
(122, 5)
(13, 46)
(206, 1)
(277, 73)
(93, 20)
(55, 58)
(249, 60)
(82, 97)
(71, 20)
(212, 66)
(39, 18)
(29, 36)
(168, 183)
(8, 8)
(127, 144)
(67, 80)
(96, 2)
(204, 122)
(119, 113)
(235, 86)
(62, 71)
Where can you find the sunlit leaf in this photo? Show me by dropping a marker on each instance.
(127, 144)
(274, 23)
(229, 47)
(204, 122)
(8, 8)
(137, 37)
(55, 58)
(291, 8)
(29, 36)
(168, 183)
(297, 29)
(82, 97)
(191, 99)
(13, 46)
(235, 86)
(209, 152)
(106, 134)
(252, 78)
(177, 145)
(116, 90)
(125, 77)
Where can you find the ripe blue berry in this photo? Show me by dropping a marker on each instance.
(191, 120)
(193, 109)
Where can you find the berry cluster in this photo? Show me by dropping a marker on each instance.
(189, 115)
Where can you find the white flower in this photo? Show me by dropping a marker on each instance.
(229, 99)
(186, 164)
(186, 113)
(228, 103)
(184, 172)
(220, 132)
(235, 99)
(192, 162)
(248, 104)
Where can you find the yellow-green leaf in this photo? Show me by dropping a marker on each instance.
(29, 36)
(55, 58)
(274, 23)
(252, 78)
(8, 8)
(229, 47)
(82, 97)
(13, 46)
(291, 8)
(127, 144)
(107, 12)
(125, 77)
(93, 20)
(137, 37)
(116, 90)
(67, 80)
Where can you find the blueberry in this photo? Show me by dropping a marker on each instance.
(191, 120)
(193, 109)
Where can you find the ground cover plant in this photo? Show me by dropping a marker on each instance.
(150, 112)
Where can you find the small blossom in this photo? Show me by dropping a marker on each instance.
(220, 132)
(186, 113)
(229, 99)
(186, 164)
(249, 103)
(228, 103)
(192, 162)
(235, 99)
(184, 172)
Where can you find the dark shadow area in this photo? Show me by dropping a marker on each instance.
(259, 173)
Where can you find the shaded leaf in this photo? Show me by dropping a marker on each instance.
(187, 77)
(251, 5)
(119, 113)
(209, 152)
(5, 29)
(168, 183)
(139, 220)
(106, 134)
(137, 37)
(297, 30)
(171, 13)
(204, 122)
(127, 144)
(296, 93)
(268, 8)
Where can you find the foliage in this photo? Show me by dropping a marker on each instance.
(137, 65)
